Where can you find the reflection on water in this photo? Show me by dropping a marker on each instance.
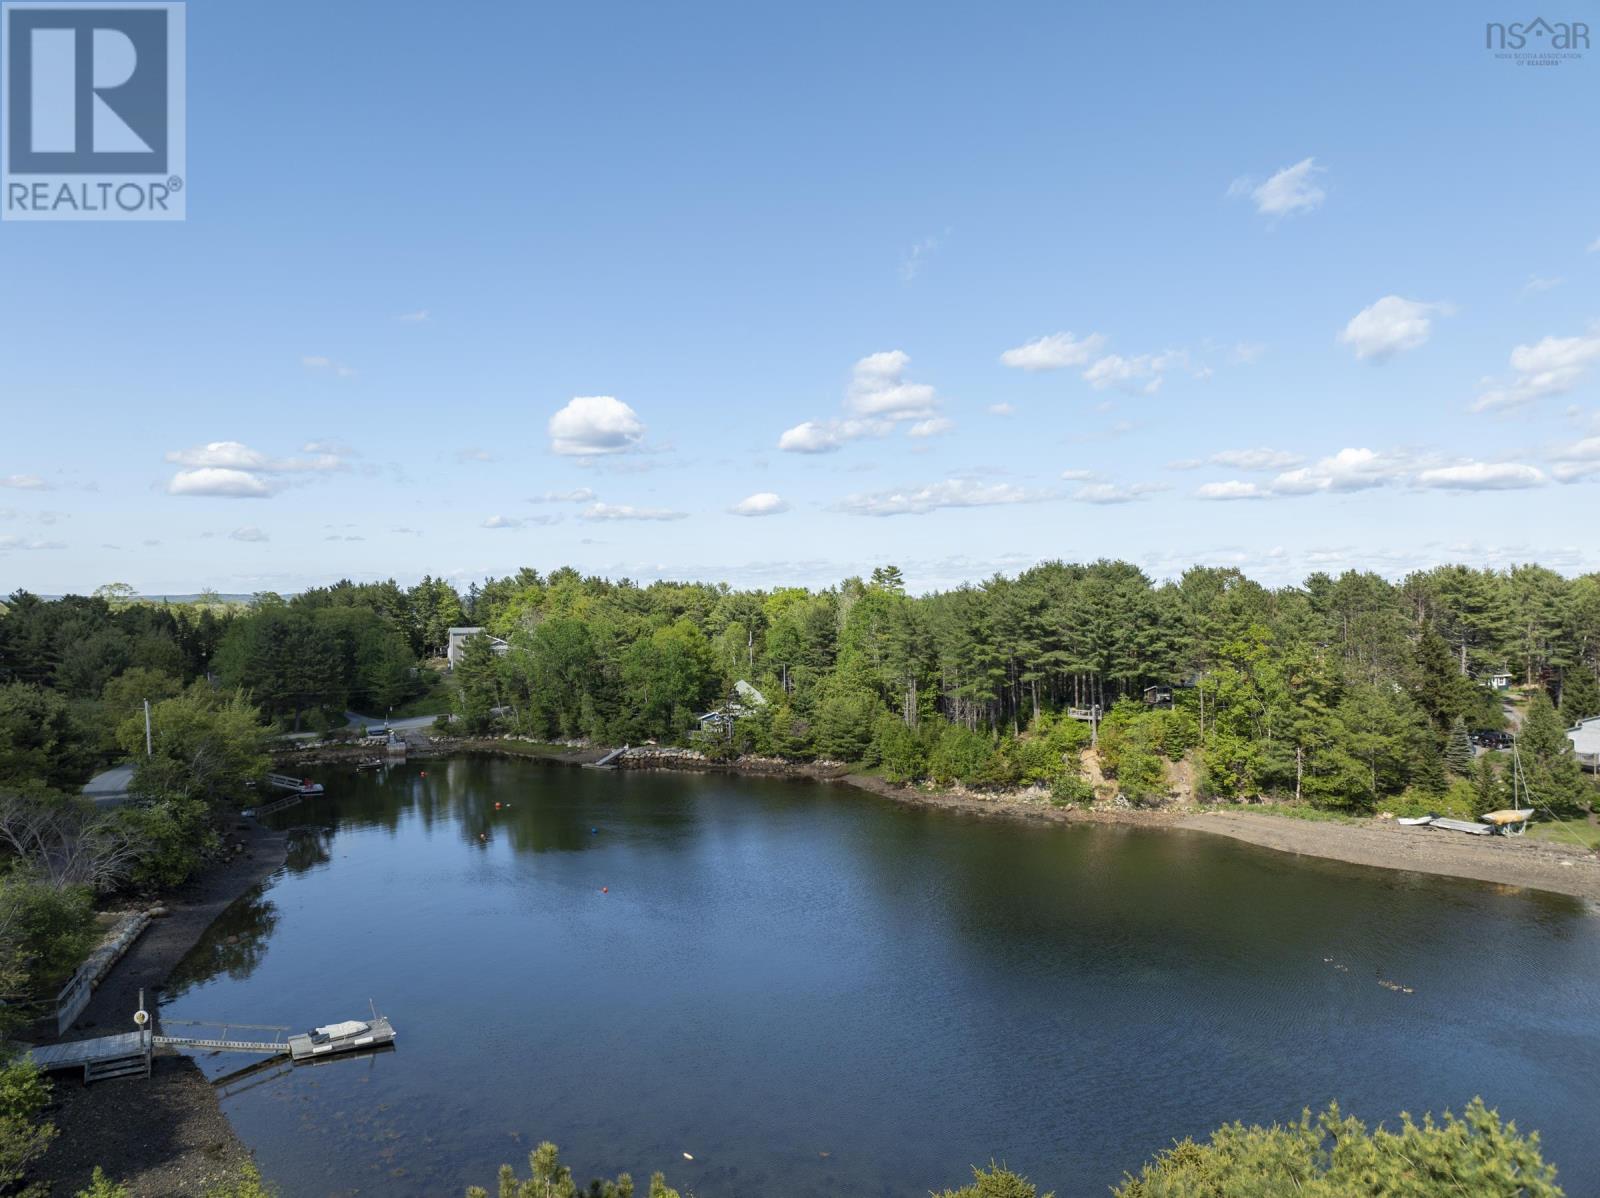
(813, 991)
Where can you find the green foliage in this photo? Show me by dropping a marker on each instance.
(208, 746)
(1549, 767)
(175, 835)
(995, 1182)
(24, 1136)
(844, 723)
(1071, 790)
(45, 930)
(101, 1186)
(1458, 752)
(1460, 801)
(961, 755)
(39, 738)
(1335, 1156)
(901, 750)
(1580, 694)
(549, 1178)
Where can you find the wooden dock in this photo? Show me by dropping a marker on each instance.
(124, 1055)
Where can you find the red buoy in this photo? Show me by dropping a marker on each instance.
(605, 890)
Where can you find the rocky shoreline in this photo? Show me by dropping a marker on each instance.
(1378, 843)
(166, 1137)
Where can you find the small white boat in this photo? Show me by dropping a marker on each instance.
(1416, 821)
(352, 1035)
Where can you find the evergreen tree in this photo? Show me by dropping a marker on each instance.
(1458, 753)
(1551, 770)
(1580, 694)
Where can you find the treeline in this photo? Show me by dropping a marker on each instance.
(1343, 692)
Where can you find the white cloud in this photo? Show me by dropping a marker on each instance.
(320, 363)
(1053, 352)
(420, 316)
(1538, 283)
(878, 398)
(1391, 325)
(11, 541)
(1248, 352)
(951, 493)
(591, 425)
(1109, 493)
(1482, 476)
(1248, 459)
(1552, 366)
(24, 482)
(579, 495)
(1080, 476)
(502, 522)
(1232, 489)
(931, 427)
(879, 390)
(762, 503)
(473, 454)
(1594, 246)
(219, 482)
(1293, 189)
(1001, 409)
(624, 511)
(1347, 470)
(249, 533)
(1141, 374)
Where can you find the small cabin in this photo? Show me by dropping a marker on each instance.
(1585, 738)
(458, 638)
(745, 701)
(1500, 681)
(1158, 696)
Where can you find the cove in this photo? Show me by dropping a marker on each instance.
(814, 991)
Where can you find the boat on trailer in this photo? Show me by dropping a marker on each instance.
(353, 1035)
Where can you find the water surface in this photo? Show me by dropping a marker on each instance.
(817, 992)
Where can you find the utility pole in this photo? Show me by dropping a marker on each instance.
(149, 750)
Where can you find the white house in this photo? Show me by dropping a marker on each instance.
(1500, 681)
(1585, 738)
(458, 641)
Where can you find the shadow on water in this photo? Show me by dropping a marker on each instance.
(814, 991)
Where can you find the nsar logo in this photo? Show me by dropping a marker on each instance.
(93, 120)
(1536, 43)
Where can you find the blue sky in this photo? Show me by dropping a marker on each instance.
(957, 287)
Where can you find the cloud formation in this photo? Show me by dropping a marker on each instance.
(233, 470)
(1293, 189)
(1054, 352)
(624, 511)
(878, 399)
(249, 534)
(1552, 366)
(24, 482)
(1390, 326)
(595, 425)
(762, 503)
(951, 493)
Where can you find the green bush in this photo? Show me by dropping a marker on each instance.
(1458, 802)
(960, 755)
(101, 1186)
(24, 1093)
(901, 750)
(1071, 790)
(1335, 1156)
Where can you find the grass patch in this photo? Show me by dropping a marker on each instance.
(1568, 832)
(1299, 811)
(438, 699)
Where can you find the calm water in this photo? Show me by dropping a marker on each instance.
(814, 991)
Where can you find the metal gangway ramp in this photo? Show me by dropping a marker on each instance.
(224, 1042)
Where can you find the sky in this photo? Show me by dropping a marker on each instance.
(771, 295)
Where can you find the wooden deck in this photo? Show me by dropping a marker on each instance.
(123, 1055)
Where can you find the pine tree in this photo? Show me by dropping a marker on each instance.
(1486, 787)
(1580, 694)
(1554, 777)
(1458, 752)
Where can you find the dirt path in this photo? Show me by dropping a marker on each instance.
(166, 1137)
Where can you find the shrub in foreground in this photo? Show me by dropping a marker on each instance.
(1335, 1156)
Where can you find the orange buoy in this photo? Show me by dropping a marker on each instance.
(605, 890)
(424, 773)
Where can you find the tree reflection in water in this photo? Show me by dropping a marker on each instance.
(234, 944)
